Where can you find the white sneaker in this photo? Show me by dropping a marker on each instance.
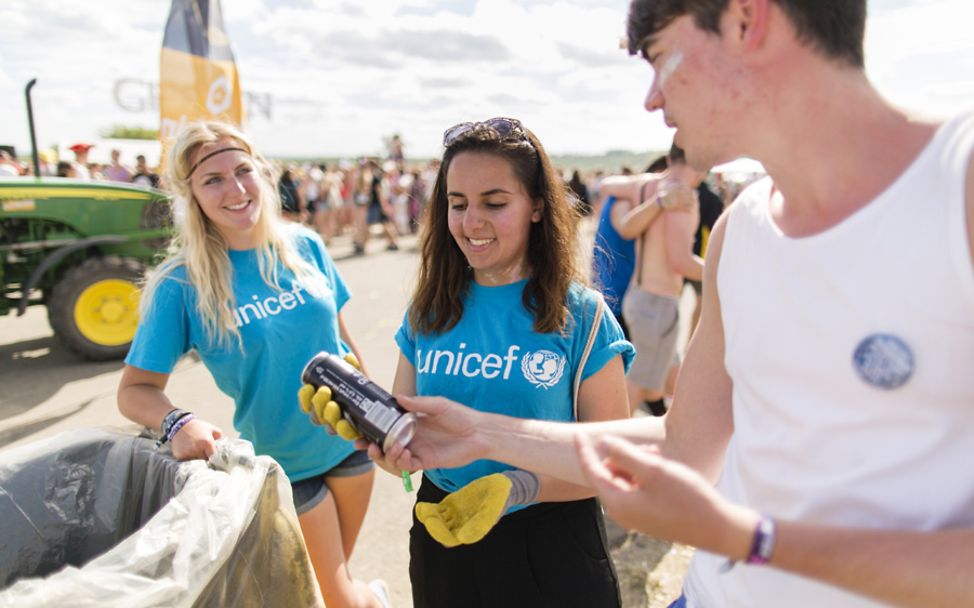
(381, 592)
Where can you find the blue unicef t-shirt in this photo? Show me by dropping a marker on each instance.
(494, 361)
(281, 331)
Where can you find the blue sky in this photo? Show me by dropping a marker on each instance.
(340, 75)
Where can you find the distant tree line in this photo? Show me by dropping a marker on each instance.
(129, 132)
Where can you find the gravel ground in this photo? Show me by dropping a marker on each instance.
(665, 581)
(650, 571)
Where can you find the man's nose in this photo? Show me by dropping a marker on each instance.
(654, 97)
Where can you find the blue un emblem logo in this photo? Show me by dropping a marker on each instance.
(883, 361)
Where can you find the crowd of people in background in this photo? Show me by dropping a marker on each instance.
(389, 195)
(326, 194)
(349, 197)
(81, 168)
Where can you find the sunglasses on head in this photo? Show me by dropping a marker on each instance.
(500, 126)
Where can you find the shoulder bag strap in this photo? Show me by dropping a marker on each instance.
(599, 306)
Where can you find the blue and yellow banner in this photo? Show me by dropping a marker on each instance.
(198, 78)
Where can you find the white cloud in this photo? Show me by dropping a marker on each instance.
(343, 74)
(930, 67)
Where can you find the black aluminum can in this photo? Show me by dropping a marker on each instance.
(365, 404)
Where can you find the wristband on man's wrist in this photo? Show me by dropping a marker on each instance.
(762, 544)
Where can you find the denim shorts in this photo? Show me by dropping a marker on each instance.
(309, 492)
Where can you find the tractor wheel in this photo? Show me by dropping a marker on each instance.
(94, 308)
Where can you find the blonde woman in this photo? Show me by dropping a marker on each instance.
(237, 286)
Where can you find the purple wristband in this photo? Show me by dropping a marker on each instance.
(179, 425)
(763, 544)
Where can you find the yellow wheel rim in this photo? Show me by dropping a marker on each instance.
(107, 312)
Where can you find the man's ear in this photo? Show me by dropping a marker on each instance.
(749, 19)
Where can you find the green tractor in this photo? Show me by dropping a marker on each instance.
(80, 248)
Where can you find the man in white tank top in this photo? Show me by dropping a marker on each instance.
(828, 391)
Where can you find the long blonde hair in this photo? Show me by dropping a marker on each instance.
(200, 248)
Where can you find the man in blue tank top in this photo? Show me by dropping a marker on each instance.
(613, 258)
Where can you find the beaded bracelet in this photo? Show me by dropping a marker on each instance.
(179, 425)
(168, 421)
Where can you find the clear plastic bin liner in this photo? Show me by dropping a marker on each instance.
(101, 518)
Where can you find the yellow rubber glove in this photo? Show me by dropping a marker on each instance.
(324, 410)
(352, 360)
(467, 515)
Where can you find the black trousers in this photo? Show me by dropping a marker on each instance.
(547, 555)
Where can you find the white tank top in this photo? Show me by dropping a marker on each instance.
(852, 359)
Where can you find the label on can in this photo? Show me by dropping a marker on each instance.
(369, 407)
(379, 415)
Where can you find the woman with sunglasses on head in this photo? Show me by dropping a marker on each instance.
(500, 320)
(238, 286)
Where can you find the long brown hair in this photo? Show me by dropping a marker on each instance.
(552, 256)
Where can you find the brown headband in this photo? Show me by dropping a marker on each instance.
(213, 153)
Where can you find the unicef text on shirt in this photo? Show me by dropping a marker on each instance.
(470, 365)
(269, 306)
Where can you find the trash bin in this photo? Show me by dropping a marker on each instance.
(101, 518)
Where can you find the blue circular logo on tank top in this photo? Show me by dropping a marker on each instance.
(883, 361)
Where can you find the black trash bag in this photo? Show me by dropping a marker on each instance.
(100, 518)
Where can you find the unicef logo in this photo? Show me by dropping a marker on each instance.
(883, 361)
(220, 95)
(542, 367)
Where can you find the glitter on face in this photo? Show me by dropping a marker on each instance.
(670, 66)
